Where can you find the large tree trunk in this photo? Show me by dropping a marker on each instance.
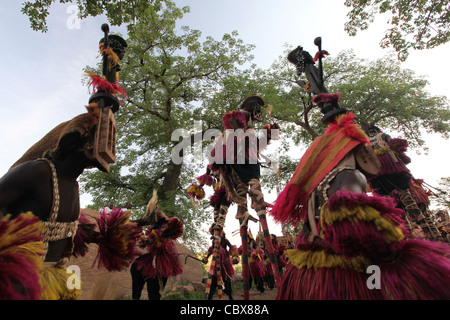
(170, 186)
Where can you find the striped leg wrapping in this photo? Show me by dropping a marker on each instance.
(215, 263)
(245, 267)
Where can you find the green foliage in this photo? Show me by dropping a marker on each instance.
(118, 12)
(173, 78)
(183, 295)
(169, 76)
(380, 92)
(414, 24)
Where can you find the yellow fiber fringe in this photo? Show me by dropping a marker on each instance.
(198, 191)
(54, 285)
(113, 57)
(14, 239)
(382, 150)
(320, 259)
(92, 74)
(151, 203)
(392, 232)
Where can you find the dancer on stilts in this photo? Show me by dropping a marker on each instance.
(220, 202)
(345, 231)
(395, 180)
(235, 160)
(421, 198)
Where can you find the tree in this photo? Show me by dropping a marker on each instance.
(175, 79)
(378, 92)
(168, 77)
(382, 93)
(415, 24)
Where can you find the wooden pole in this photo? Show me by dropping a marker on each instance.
(269, 247)
(215, 264)
(245, 268)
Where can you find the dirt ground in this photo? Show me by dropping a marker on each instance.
(254, 294)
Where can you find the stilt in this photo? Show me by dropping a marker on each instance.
(245, 268)
(215, 263)
(269, 246)
(220, 285)
(260, 206)
(220, 213)
(416, 215)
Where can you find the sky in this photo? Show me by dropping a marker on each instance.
(41, 73)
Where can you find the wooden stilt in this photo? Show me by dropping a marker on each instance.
(269, 247)
(219, 221)
(245, 267)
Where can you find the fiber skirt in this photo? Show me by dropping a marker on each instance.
(256, 269)
(365, 255)
(161, 260)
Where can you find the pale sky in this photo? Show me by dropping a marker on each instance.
(41, 73)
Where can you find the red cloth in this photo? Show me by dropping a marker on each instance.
(226, 266)
(161, 260)
(256, 264)
(162, 256)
